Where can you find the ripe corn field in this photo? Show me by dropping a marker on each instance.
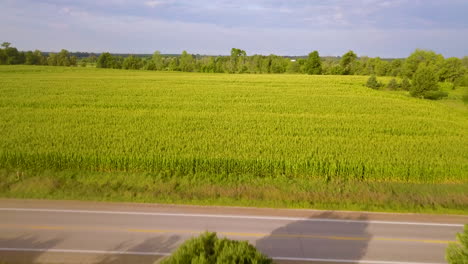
(223, 128)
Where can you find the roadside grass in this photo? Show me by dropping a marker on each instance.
(278, 192)
(298, 141)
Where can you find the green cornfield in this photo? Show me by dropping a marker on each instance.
(222, 128)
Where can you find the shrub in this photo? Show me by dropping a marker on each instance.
(405, 84)
(393, 84)
(435, 95)
(425, 83)
(458, 253)
(373, 83)
(208, 248)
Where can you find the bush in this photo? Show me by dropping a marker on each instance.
(458, 253)
(208, 248)
(425, 83)
(405, 84)
(393, 84)
(373, 83)
(435, 95)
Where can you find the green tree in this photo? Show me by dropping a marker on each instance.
(425, 83)
(3, 57)
(13, 55)
(158, 61)
(418, 57)
(347, 62)
(52, 60)
(451, 70)
(237, 60)
(105, 60)
(63, 58)
(458, 253)
(395, 67)
(209, 249)
(186, 62)
(465, 61)
(313, 64)
(132, 63)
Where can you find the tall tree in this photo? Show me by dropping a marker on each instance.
(105, 60)
(6, 45)
(186, 62)
(158, 60)
(418, 57)
(451, 70)
(425, 83)
(237, 60)
(347, 62)
(313, 64)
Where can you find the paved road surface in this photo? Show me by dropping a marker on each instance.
(90, 232)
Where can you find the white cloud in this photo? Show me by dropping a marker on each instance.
(153, 3)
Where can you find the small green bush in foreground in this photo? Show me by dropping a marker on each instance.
(208, 248)
(373, 83)
(458, 253)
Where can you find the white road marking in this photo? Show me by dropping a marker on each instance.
(142, 253)
(81, 251)
(231, 217)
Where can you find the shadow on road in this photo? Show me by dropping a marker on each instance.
(22, 242)
(154, 244)
(319, 237)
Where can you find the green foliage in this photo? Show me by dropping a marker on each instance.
(393, 84)
(465, 61)
(6, 45)
(132, 63)
(452, 70)
(34, 58)
(158, 61)
(373, 83)
(105, 60)
(458, 253)
(186, 62)
(435, 95)
(347, 62)
(237, 60)
(425, 84)
(83, 63)
(209, 249)
(421, 57)
(63, 58)
(313, 63)
(405, 84)
(463, 81)
(3, 57)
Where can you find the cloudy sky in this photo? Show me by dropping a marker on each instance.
(385, 28)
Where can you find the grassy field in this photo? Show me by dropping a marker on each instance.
(257, 140)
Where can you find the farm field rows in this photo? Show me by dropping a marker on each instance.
(258, 140)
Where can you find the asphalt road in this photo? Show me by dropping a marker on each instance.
(90, 232)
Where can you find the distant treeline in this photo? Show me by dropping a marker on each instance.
(450, 69)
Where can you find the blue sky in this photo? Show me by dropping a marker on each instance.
(385, 28)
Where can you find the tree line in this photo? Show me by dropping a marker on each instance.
(446, 69)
